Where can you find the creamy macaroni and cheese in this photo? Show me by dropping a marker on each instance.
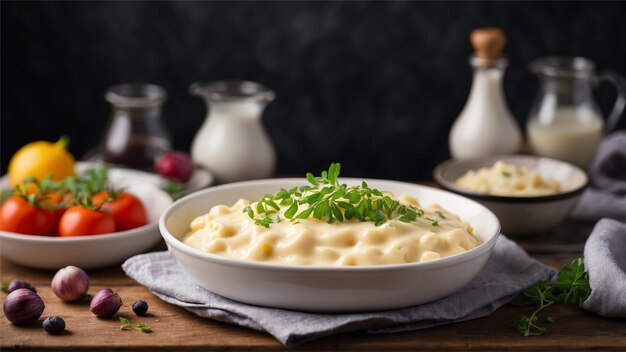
(508, 180)
(228, 231)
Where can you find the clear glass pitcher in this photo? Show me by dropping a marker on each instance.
(232, 142)
(565, 122)
(135, 135)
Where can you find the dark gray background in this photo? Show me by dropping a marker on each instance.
(374, 85)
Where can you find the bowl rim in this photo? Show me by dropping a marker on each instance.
(448, 185)
(456, 259)
(91, 238)
(83, 238)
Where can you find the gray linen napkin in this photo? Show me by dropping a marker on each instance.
(508, 271)
(605, 260)
(606, 198)
(605, 249)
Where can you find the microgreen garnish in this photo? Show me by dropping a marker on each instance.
(126, 325)
(74, 189)
(37, 192)
(571, 288)
(324, 198)
(5, 286)
(506, 174)
(92, 181)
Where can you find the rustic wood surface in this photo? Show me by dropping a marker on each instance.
(176, 329)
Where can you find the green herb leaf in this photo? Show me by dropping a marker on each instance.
(311, 179)
(571, 287)
(325, 198)
(506, 174)
(174, 189)
(126, 325)
(305, 213)
(5, 286)
(573, 284)
(291, 212)
(143, 328)
(336, 212)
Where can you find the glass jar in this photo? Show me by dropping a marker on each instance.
(565, 122)
(135, 135)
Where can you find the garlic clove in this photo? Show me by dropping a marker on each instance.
(19, 283)
(70, 283)
(105, 303)
(23, 306)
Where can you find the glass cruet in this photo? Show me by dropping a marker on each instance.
(565, 122)
(486, 126)
(232, 142)
(135, 135)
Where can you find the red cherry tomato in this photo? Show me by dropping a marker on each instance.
(81, 221)
(127, 210)
(55, 198)
(18, 215)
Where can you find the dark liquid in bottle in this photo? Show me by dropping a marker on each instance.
(138, 153)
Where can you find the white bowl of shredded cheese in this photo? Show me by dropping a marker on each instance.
(329, 265)
(528, 194)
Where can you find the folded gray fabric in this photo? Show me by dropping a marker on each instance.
(605, 249)
(605, 261)
(508, 271)
(606, 198)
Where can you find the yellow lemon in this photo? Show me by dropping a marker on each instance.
(41, 159)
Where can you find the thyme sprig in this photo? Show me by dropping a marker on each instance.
(126, 325)
(324, 198)
(571, 288)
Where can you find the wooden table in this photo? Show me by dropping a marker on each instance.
(176, 329)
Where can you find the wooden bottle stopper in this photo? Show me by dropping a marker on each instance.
(488, 43)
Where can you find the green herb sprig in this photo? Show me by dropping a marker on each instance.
(126, 325)
(324, 198)
(92, 181)
(5, 286)
(571, 288)
(174, 189)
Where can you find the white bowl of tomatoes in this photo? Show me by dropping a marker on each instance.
(96, 231)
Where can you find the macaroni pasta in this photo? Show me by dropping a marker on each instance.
(229, 232)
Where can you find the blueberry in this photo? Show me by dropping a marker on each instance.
(140, 307)
(54, 324)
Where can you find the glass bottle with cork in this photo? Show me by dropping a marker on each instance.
(486, 125)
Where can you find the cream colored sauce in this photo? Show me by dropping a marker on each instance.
(229, 232)
(508, 180)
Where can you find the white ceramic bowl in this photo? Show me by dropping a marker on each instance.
(95, 251)
(521, 215)
(319, 288)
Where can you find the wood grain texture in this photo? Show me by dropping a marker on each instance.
(176, 329)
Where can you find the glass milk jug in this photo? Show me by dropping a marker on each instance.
(232, 143)
(565, 122)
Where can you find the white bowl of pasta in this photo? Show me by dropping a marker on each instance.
(532, 194)
(325, 285)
